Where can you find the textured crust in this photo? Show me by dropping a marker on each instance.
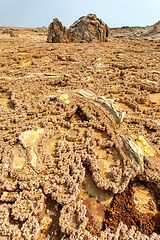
(72, 164)
(52, 163)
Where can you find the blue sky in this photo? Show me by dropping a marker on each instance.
(116, 13)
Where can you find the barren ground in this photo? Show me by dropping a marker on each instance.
(64, 171)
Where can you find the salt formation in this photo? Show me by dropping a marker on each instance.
(85, 29)
(73, 165)
(67, 176)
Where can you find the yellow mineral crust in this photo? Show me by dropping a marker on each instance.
(18, 161)
(105, 165)
(28, 139)
(96, 200)
(142, 143)
(50, 145)
(65, 97)
(144, 200)
(89, 189)
(155, 97)
(46, 223)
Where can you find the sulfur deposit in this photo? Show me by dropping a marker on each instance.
(79, 139)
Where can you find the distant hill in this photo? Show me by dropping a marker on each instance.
(151, 33)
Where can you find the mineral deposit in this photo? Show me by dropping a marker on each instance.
(79, 139)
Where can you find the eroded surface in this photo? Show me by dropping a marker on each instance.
(79, 139)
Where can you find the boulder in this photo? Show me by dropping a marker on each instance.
(86, 29)
(57, 33)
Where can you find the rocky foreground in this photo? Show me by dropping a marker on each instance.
(79, 138)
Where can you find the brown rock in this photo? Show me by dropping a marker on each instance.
(57, 32)
(88, 29)
(85, 29)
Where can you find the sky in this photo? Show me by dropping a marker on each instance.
(115, 13)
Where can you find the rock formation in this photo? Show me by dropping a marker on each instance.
(57, 32)
(86, 29)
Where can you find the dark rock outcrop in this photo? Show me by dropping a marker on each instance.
(86, 29)
(57, 33)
